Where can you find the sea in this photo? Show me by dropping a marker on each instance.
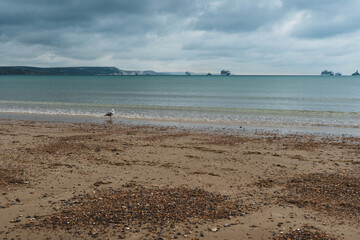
(282, 104)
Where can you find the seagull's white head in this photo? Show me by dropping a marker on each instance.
(112, 111)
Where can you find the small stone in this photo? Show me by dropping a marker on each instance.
(214, 229)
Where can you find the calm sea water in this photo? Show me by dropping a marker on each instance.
(281, 100)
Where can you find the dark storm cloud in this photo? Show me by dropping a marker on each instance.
(237, 16)
(75, 12)
(19, 19)
(322, 18)
(85, 12)
(325, 18)
(39, 18)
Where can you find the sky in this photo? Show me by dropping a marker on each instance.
(244, 36)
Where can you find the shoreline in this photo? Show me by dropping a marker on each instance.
(228, 126)
(49, 168)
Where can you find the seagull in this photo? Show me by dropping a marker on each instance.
(110, 114)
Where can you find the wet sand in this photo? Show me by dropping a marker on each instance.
(85, 181)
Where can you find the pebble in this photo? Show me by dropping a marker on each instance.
(150, 207)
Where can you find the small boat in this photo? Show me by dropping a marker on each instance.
(225, 72)
(355, 73)
(327, 73)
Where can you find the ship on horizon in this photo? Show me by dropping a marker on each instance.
(327, 73)
(355, 73)
(225, 72)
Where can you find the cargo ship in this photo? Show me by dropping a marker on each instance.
(225, 72)
(327, 73)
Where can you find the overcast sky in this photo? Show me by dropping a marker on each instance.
(245, 36)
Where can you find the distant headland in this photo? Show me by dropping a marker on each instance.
(90, 71)
(80, 71)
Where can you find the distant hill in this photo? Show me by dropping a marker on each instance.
(24, 70)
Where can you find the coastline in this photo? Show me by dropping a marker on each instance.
(47, 166)
(234, 127)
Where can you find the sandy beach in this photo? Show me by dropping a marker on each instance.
(113, 181)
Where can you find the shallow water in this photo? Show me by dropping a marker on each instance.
(284, 102)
